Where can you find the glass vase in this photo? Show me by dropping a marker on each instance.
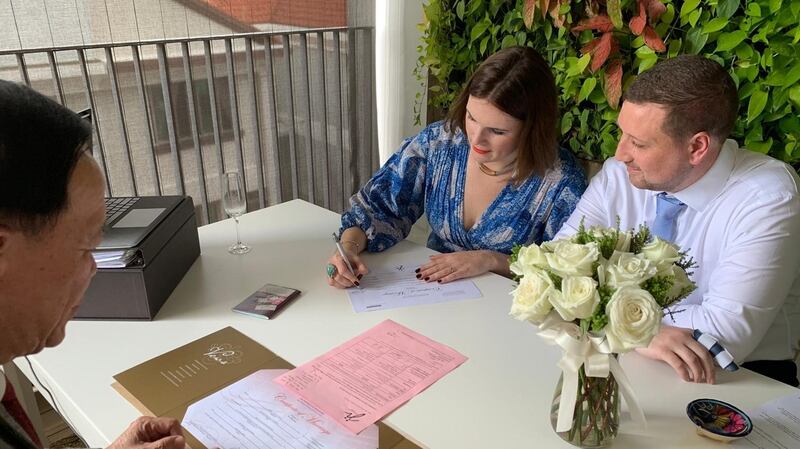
(596, 417)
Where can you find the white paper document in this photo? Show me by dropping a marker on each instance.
(776, 425)
(396, 285)
(114, 259)
(257, 413)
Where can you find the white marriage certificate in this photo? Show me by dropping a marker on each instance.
(256, 413)
(396, 285)
(776, 425)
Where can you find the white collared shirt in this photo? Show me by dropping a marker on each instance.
(742, 226)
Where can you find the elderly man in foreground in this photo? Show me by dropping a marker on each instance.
(51, 217)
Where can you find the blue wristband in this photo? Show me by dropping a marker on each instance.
(723, 358)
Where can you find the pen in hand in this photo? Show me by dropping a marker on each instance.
(344, 257)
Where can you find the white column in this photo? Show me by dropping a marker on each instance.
(396, 39)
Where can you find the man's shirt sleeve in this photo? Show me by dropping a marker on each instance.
(759, 261)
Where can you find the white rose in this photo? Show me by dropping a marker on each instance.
(572, 259)
(529, 258)
(662, 253)
(633, 319)
(681, 281)
(623, 238)
(578, 298)
(532, 297)
(624, 241)
(598, 232)
(550, 246)
(628, 269)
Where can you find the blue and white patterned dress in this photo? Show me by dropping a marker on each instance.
(427, 175)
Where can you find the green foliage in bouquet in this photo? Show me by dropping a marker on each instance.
(597, 47)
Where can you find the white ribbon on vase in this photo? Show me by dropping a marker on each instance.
(594, 354)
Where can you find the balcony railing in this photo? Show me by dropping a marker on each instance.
(293, 111)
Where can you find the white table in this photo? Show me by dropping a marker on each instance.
(499, 398)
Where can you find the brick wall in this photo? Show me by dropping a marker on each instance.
(304, 13)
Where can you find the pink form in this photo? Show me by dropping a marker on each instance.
(367, 377)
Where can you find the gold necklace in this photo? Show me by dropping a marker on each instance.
(502, 171)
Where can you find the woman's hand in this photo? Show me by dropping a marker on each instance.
(353, 241)
(449, 267)
(341, 277)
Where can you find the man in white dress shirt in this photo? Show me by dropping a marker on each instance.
(738, 215)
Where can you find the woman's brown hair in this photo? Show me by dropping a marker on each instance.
(519, 82)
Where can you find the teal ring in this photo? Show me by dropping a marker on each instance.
(331, 270)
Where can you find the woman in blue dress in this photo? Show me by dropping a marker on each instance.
(488, 177)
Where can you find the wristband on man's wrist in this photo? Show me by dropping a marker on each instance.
(721, 355)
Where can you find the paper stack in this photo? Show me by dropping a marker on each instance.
(115, 259)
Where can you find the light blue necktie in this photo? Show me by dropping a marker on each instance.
(667, 210)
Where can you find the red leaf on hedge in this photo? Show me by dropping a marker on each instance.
(544, 5)
(528, 11)
(590, 46)
(555, 7)
(653, 40)
(639, 21)
(614, 46)
(600, 23)
(602, 51)
(613, 83)
(654, 10)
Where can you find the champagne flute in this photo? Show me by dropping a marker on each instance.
(233, 200)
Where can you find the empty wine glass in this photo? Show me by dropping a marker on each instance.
(233, 200)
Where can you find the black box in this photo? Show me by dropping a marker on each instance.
(138, 291)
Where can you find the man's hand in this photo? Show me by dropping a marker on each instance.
(151, 433)
(688, 358)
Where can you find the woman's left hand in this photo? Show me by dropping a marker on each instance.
(449, 267)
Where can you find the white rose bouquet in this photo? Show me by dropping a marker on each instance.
(600, 293)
